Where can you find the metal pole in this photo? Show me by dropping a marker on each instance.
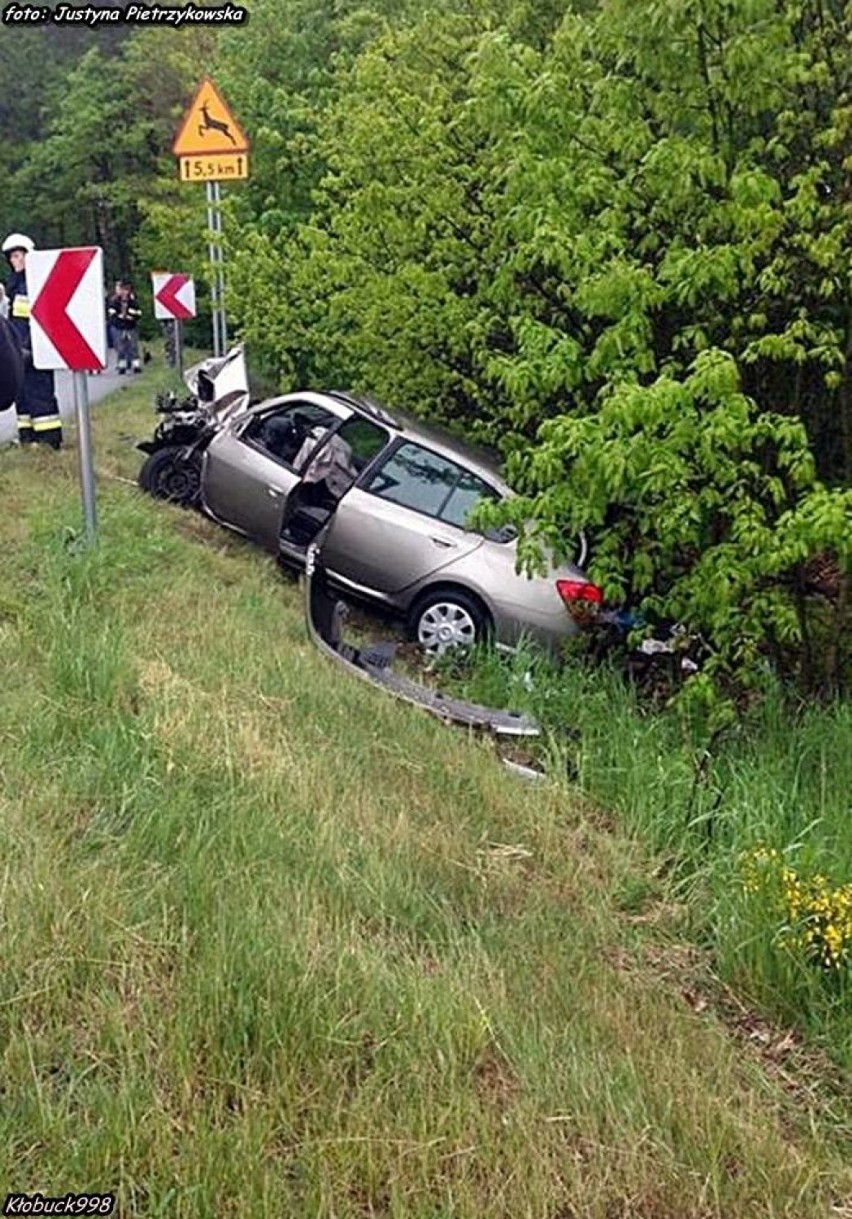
(214, 273)
(223, 316)
(178, 333)
(84, 445)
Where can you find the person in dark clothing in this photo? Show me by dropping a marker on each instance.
(124, 313)
(11, 365)
(37, 408)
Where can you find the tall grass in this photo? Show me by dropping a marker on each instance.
(704, 803)
(275, 945)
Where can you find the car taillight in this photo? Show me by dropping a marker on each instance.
(582, 599)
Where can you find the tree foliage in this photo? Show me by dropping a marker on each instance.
(89, 160)
(620, 247)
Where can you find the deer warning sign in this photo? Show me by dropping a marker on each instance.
(209, 129)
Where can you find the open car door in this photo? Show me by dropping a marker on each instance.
(332, 467)
(252, 465)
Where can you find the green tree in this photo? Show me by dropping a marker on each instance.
(677, 290)
(626, 239)
(102, 144)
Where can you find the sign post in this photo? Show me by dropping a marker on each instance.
(68, 330)
(211, 147)
(216, 283)
(174, 301)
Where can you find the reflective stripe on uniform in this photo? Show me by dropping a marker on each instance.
(21, 306)
(25, 420)
(45, 423)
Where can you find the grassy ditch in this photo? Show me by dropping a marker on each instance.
(274, 944)
(751, 824)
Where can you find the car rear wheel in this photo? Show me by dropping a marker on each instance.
(448, 618)
(170, 474)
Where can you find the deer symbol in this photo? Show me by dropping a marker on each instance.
(210, 124)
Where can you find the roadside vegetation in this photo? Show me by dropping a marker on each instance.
(274, 944)
(749, 820)
(612, 239)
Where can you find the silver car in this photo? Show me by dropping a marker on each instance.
(388, 501)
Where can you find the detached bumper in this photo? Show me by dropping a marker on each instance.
(374, 664)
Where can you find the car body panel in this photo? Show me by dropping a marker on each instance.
(518, 604)
(324, 614)
(387, 547)
(246, 489)
(221, 382)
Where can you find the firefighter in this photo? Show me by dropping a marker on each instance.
(37, 408)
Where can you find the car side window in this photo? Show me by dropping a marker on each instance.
(414, 478)
(417, 478)
(467, 493)
(339, 458)
(365, 438)
(282, 433)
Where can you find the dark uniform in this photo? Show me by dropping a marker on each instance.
(123, 314)
(11, 365)
(38, 410)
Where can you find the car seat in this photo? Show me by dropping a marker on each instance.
(282, 437)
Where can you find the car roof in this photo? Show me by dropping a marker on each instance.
(367, 406)
(482, 462)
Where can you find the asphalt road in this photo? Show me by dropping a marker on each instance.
(99, 387)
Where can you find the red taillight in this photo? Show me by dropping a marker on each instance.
(579, 590)
(582, 599)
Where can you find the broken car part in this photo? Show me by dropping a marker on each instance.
(324, 612)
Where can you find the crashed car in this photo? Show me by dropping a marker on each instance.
(385, 499)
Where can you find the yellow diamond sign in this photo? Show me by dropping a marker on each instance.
(209, 129)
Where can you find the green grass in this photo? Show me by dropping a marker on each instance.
(779, 780)
(275, 944)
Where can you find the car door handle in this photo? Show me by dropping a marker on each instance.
(443, 542)
(273, 493)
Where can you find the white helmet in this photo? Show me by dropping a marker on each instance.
(18, 241)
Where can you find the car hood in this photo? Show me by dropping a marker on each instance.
(221, 383)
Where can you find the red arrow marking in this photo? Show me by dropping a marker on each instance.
(167, 296)
(50, 309)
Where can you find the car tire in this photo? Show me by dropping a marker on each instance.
(446, 618)
(168, 474)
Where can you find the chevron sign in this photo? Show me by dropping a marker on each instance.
(174, 296)
(67, 313)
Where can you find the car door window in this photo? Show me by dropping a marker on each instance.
(365, 439)
(339, 458)
(281, 434)
(467, 493)
(417, 478)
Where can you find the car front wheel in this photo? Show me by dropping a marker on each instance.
(170, 474)
(446, 619)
